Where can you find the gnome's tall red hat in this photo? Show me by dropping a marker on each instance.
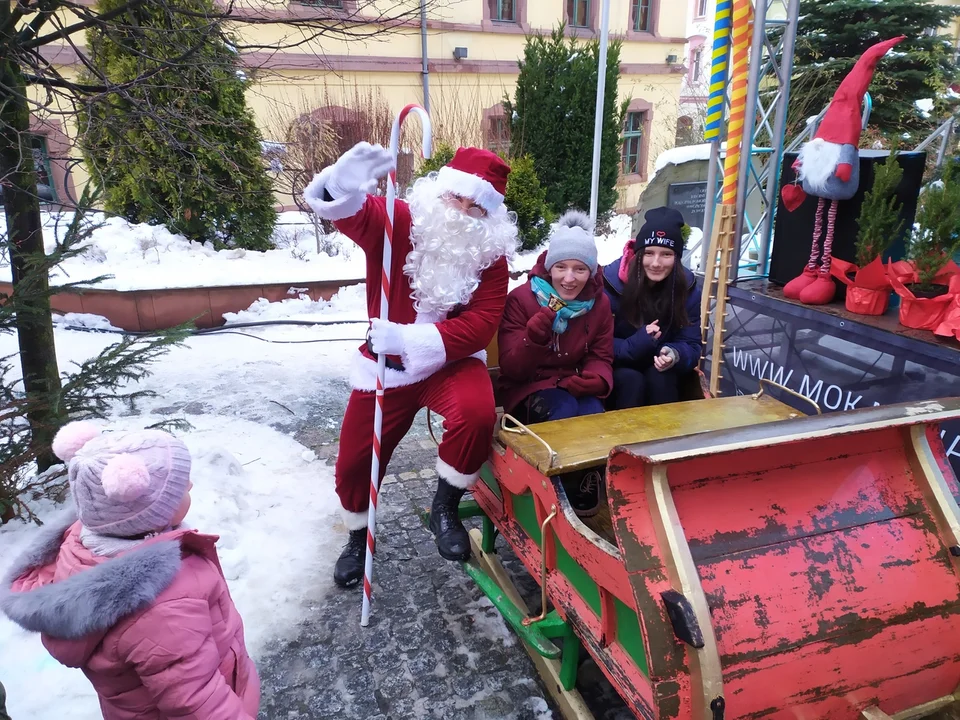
(842, 124)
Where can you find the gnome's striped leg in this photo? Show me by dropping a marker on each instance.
(817, 232)
(822, 289)
(828, 242)
(796, 286)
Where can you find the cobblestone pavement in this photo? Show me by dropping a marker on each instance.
(435, 647)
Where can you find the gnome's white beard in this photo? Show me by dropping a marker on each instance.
(451, 249)
(818, 161)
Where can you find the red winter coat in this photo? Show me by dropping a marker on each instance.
(585, 346)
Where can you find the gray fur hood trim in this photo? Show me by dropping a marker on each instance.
(43, 549)
(93, 600)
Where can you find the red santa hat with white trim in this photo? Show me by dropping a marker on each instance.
(842, 122)
(476, 174)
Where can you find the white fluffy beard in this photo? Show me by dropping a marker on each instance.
(451, 249)
(818, 161)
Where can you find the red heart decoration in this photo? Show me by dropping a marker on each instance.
(793, 197)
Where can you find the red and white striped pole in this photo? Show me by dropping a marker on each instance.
(382, 359)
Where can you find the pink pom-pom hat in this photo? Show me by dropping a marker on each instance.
(72, 437)
(125, 484)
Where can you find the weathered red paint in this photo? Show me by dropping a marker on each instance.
(830, 585)
(770, 499)
(893, 669)
(768, 600)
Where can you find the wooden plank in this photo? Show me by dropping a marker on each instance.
(808, 428)
(586, 441)
(825, 587)
(936, 491)
(896, 667)
(725, 242)
(706, 677)
(772, 495)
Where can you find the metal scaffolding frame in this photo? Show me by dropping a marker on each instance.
(768, 95)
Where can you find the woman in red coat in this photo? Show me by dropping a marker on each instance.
(556, 339)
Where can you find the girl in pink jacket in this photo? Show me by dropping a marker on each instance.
(126, 594)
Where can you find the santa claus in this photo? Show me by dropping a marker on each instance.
(451, 242)
(828, 167)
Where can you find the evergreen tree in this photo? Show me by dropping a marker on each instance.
(179, 147)
(936, 235)
(553, 114)
(832, 34)
(527, 197)
(442, 154)
(880, 222)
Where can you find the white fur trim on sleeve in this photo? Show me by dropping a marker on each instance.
(338, 209)
(471, 186)
(464, 481)
(354, 520)
(423, 350)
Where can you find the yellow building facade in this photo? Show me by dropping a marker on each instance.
(472, 51)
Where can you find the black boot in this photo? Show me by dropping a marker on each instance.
(452, 539)
(349, 568)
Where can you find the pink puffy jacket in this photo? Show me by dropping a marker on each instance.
(153, 628)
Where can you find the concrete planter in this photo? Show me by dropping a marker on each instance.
(146, 310)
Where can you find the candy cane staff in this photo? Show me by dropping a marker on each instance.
(381, 356)
(444, 302)
(828, 167)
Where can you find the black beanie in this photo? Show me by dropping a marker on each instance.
(663, 227)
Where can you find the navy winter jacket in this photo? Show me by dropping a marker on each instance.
(634, 346)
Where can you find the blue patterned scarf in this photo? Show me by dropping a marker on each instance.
(543, 291)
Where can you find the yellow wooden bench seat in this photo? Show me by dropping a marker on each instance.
(585, 442)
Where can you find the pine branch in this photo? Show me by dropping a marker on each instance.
(100, 382)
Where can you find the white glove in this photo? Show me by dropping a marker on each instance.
(385, 337)
(358, 170)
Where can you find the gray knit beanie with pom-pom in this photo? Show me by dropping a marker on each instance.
(572, 239)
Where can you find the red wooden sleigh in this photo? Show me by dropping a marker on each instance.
(749, 562)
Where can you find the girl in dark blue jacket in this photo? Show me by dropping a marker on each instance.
(656, 312)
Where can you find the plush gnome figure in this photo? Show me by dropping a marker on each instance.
(828, 167)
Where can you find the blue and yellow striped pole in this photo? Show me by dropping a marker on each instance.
(719, 62)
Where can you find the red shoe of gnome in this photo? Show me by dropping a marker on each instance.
(820, 291)
(793, 288)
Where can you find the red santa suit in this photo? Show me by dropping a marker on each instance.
(443, 363)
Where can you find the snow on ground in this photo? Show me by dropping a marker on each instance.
(141, 256)
(268, 498)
